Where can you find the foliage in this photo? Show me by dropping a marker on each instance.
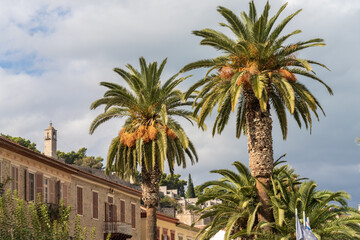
(257, 63)
(71, 157)
(80, 158)
(20, 220)
(173, 181)
(22, 141)
(190, 192)
(167, 201)
(329, 215)
(192, 208)
(7, 180)
(90, 162)
(197, 191)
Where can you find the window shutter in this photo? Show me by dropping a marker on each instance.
(114, 212)
(172, 235)
(79, 205)
(26, 185)
(122, 211)
(65, 190)
(157, 233)
(133, 219)
(106, 212)
(95, 205)
(17, 179)
(57, 191)
(39, 186)
(52, 190)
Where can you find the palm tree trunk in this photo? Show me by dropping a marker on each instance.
(260, 149)
(150, 197)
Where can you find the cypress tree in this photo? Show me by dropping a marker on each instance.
(190, 192)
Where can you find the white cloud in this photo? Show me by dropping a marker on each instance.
(59, 51)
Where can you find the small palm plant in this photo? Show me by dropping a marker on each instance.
(330, 216)
(237, 212)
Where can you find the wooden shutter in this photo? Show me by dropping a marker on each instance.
(26, 185)
(106, 212)
(95, 205)
(114, 212)
(157, 233)
(57, 192)
(39, 186)
(122, 211)
(65, 193)
(172, 235)
(79, 199)
(133, 218)
(51, 183)
(17, 179)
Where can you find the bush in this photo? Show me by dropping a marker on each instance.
(33, 221)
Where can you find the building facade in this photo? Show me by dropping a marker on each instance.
(169, 228)
(108, 206)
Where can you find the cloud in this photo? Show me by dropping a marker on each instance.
(54, 54)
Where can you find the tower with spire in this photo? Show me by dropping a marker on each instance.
(50, 141)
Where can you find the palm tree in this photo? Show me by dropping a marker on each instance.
(330, 216)
(257, 71)
(237, 212)
(150, 134)
(328, 212)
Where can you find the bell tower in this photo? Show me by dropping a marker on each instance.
(50, 141)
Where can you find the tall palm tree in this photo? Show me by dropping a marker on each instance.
(150, 135)
(257, 71)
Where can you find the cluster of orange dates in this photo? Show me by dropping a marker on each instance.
(147, 133)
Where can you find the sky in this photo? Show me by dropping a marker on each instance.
(53, 54)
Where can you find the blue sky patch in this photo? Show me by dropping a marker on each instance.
(18, 63)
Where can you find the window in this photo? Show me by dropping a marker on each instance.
(172, 235)
(79, 200)
(31, 187)
(122, 211)
(133, 218)
(15, 178)
(180, 237)
(46, 190)
(95, 203)
(110, 210)
(165, 236)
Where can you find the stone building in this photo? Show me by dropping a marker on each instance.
(107, 205)
(169, 228)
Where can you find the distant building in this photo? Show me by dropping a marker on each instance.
(101, 202)
(169, 228)
(173, 193)
(188, 216)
